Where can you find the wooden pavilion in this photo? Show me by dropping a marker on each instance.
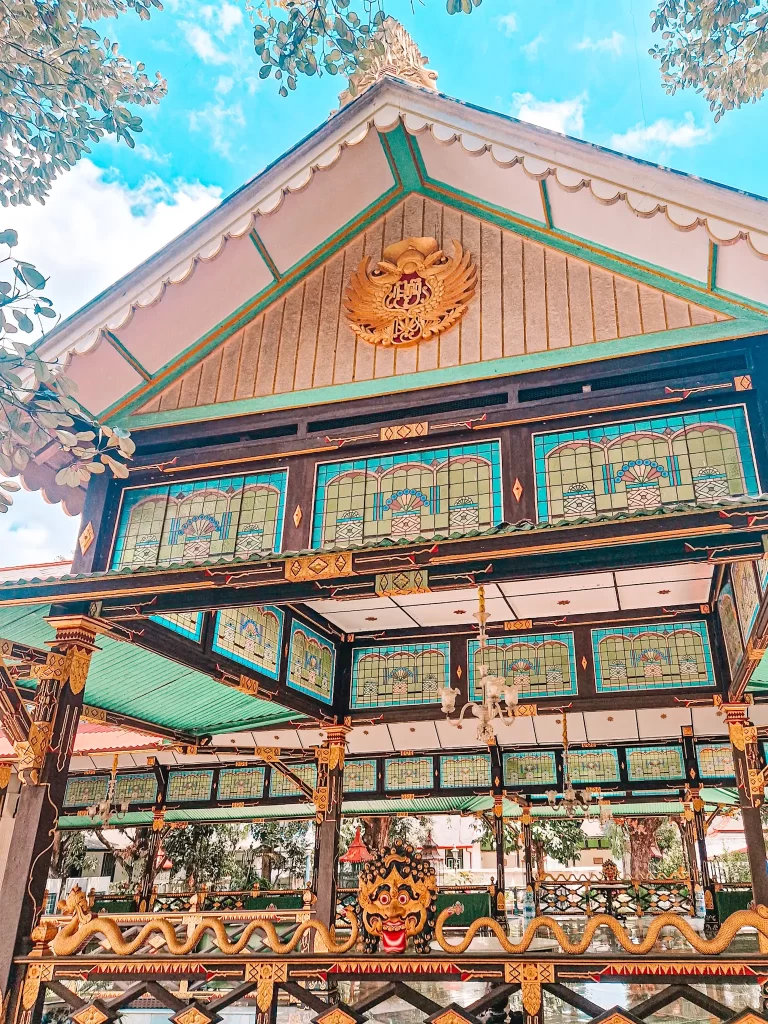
(447, 496)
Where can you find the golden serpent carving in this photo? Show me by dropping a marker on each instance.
(76, 933)
(757, 919)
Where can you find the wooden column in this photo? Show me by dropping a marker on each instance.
(42, 762)
(526, 821)
(695, 831)
(328, 796)
(499, 908)
(751, 787)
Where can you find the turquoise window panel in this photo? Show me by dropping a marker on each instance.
(86, 790)
(407, 773)
(530, 768)
(360, 776)
(437, 491)
(589, 767)
(136, 789)
(241, 784)
(746, 594)
(729, 624)
(465, 771)
(652, 656)
(644, 464)
(762, 572)
(280, 786)
(189, 787)
(189, 624)
(540, 664)
(715, 760)
(311, 663)
(398, 674)
(252, 636)
(655, 764)
(198, 520)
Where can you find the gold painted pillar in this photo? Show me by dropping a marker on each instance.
(750, 781)
(42, 761)
(327, 798)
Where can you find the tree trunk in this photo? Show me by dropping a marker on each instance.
(376, 833)
(540, 857)
(642, 837)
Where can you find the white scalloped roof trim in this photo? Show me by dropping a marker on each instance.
(571, 180)
(213, 248)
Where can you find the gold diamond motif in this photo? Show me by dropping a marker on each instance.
(517, 489)
(297, 515)
(86, 538)
(90, 1015)
(318, 567)
(743, 382)
(335, 1016)
(192, 1015)
(449, 1016)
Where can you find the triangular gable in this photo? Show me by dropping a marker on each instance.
(530, 298)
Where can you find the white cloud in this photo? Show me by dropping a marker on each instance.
(33, 531)
(662, 134)
(224, 85)
(229, 17)
(614, 44)
(203, 44)
(219, 121)
(565, 116)
(531, 49)
(507, 23)
(94, 228)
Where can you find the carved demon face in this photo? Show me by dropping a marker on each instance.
(397, 893)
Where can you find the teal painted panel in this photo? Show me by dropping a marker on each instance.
(311, 663)
(530, 767)
(652, 656)
(241, 784)
(189, 624)
(252, 636)
(655, 764)
(539, 664)
(392, 675)
(360, 776)
(464, 771)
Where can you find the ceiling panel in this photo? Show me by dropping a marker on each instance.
(664, 573)
(565, 602)
(514, 734)
(602, 726)
(414, 736)
(758, 714)
(460, 613)
(662, 723)
(553, 584)
(467, 594)
(370, 739)
(370, 620)
(310, 738)
(452, 737)
(276, 738)
(549, 729)
(665, 594)
(708, 722)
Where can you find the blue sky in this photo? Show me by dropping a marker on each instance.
(578, 66)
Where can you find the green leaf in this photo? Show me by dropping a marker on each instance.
(31, 275)
(9, 237)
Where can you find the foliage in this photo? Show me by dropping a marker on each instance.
(670, 846)
(68, 854)
(62, 88)
(282, 848)
(37, 403)
(732, 867)
(562, 839)
(312, 37)
(378, 832)
(618, 840)
(717, 47)
(203, 854)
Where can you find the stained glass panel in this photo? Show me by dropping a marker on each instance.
(729, 623)
(241, 784)
(196, 520)
(747, 596)
(408, 495)
(136, 789)
(86, 790)
(407, 773)
(715, 760)
(311, 663)
(185, 787)
(360, 776)
(251, 636)
(462, 771)
(399, 674)
(189, 624)
(281, 786)
(653, 764)
(641, 465)
(588, 767)
(530, 767)
(539, 664)
(651, 657)
(762, 572)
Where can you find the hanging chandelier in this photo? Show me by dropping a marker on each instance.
(498, 699)
(107, 809)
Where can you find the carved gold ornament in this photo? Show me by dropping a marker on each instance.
(414, 293)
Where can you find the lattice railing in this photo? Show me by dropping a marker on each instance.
(621, 899)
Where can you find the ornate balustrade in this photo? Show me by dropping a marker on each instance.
(563, 895)
(203, 899)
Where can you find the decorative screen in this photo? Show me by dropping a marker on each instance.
(408, 495)
(462, 771)
(239, 516)
(86, 790)
(654, 764)
(189, 624)
(311, 663)
(241, 784)
(715, 760)
(136, 789)
(540, 664)
(651, 657)
(744, 583)
(642, 465)
(186, 787)
(592, 766)
(281, 786)
(532, 768)
(251, 636)
(360, 776)
(406, 773)
(729, 623)
(399, 674)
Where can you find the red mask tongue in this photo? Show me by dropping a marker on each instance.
(393, 942)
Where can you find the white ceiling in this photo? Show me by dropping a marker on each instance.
(665, 586)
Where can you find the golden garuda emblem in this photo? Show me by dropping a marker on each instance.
(412, 294)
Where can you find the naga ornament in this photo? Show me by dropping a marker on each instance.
(397, 894)
(414, 293)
